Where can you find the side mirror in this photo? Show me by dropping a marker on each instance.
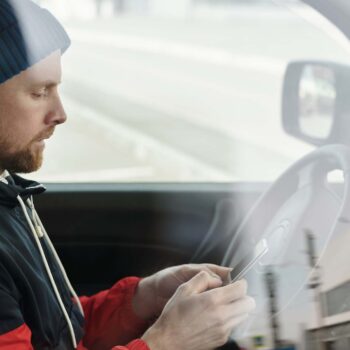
(316, 102)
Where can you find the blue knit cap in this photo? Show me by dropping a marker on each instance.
(28, 34)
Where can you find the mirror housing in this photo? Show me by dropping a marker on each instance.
(316, 102)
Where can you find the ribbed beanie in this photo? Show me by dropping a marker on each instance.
(28, 34)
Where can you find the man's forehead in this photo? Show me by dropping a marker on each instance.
(46, 72)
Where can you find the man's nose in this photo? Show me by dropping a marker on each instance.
(57, 115)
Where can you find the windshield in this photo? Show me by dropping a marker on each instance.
(186, 91)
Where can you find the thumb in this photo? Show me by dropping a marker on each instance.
(201, 282)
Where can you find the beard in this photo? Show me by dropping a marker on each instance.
(25, 160)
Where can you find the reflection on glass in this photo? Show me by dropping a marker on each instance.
(302, 285)
(317, 95)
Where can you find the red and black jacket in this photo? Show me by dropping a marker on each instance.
(30, 317)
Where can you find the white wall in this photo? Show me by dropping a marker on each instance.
(335, 266)
(336, 262)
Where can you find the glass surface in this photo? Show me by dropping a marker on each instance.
(317, 96)
(179, 91)
(337, 300)
(190, 91)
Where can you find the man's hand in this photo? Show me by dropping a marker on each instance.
(155, 291)
(200, 316)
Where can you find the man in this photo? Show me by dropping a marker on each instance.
(183, 307)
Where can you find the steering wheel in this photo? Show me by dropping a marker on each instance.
(300, 201)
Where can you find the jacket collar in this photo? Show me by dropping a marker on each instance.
(18, 186)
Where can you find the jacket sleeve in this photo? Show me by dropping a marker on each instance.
(14, 333)
(17, 339)
(137, 344)
(110, 319)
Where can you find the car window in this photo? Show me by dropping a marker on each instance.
(189, 91)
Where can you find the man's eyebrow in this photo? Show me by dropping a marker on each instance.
(46, 84)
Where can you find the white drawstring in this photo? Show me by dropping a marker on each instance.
(42, 230)
(48, 270)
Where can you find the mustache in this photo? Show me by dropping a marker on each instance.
(45, 134)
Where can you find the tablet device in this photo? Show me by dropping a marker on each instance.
(248, 261)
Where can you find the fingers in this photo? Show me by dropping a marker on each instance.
(224, 319)
(239, 308)
(201, 282)
(221, 271)
(229, 293)
(246, 306)
(191, 270)
(230, 316)
(234, 322)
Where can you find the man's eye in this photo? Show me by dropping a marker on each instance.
(39, 94)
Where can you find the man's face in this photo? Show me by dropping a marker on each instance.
(30, 108)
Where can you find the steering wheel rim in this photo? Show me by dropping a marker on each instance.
(319, 163)
(333, 157)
